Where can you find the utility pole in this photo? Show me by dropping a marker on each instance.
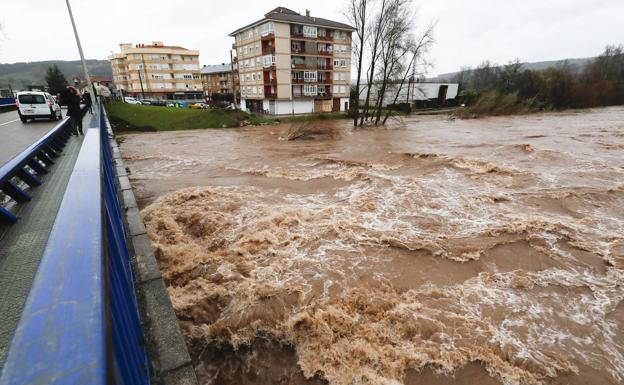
(141, 81)
(233, 81)
(84, 63)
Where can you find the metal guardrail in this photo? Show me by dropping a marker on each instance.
(7, 102)
(80, 323)
(30, 164)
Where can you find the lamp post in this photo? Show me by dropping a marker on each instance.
(141, 81)
(84, 63)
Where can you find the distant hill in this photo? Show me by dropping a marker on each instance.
(536, 66)
(20, 75)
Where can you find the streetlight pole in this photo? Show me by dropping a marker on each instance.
(141, 81)
(84, 63)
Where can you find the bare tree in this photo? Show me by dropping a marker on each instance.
(394, 48)
(417, 49)
(356, 14)
(376, 32)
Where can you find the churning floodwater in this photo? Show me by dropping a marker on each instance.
(431, 251)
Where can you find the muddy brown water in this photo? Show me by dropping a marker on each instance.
(431, 251)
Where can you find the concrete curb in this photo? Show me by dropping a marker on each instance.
(171, 363)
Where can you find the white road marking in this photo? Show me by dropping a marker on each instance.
(11, 121)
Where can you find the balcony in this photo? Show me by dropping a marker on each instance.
(299, 66)
(268, 36)
(270, 95)
(268, 50)
(324, 53)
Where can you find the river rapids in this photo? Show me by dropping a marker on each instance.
(431, 251)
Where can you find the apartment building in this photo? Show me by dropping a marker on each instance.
(157, 71)
(291, 63)
(219, 79)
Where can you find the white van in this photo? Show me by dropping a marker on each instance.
(131, 100)
(37, 104)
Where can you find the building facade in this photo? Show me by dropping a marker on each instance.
(417, 94)
(219, 79)
(157, 71)
(291, 63)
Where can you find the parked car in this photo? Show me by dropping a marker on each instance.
(199, 106)
(37, 105)
(147, 102)
(131, 100)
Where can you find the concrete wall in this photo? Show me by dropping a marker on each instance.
(288, 107)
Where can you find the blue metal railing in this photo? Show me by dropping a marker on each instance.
(30, 164)
(7, 102)
(80, 323)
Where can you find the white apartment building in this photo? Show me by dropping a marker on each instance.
(291, 64)
(157, 71)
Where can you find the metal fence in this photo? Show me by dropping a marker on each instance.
(80, 323)
(29, 165)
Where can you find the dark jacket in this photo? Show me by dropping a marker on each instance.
(73, 105)
(87, 98)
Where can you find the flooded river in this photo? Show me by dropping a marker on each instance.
(432, 251)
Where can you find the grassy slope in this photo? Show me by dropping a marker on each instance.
(155, 118)
(128, 117)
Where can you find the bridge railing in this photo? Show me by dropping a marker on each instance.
(29, 165)
(80, 323)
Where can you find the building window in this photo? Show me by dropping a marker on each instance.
(340, 35)
(340, 63)
(339, 89)
(309, 76)
(268, 61)
(267, 28)
(325, 48)
(309, 31)
(340, 48)
(310, 90)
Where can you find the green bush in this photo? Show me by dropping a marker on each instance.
(495, 90)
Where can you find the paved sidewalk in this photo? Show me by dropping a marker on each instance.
(22, 244)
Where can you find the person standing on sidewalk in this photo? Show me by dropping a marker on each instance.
(73, 110)
(86, 98)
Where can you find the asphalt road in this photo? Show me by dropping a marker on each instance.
(16, 136)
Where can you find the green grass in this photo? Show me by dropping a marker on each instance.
(129, 117)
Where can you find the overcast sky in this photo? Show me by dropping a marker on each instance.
(467, 32)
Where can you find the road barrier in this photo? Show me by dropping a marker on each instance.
(80, 323)
(29, 165)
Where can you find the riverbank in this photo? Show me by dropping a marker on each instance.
(128, 117)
